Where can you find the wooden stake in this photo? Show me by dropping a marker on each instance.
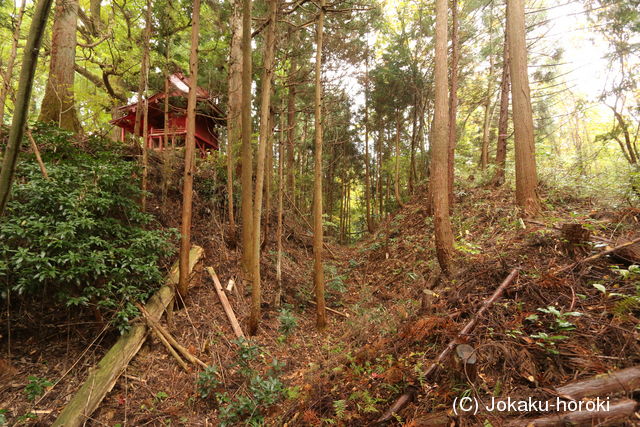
(331, 310)
(157, 327)
(34, 147)
(225, 303)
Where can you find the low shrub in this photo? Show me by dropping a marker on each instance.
(80, 235)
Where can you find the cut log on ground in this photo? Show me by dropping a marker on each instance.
(615, 249)
(471, 324)
(225, 303)
(614, 414)
(102, 379)
(623, 381)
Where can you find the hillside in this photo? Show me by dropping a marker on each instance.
(395, 313)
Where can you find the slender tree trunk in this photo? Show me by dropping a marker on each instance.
(503, 120)
(367, 176)
(526, 177)
(627, 138)
(144, 99)
(441, 144)
(278, 293)
(291, 126)
(268, 179)
(167, 155)
(265, 104)
(412, 156)
(318, 270)
(7, 76)
(23, 97)
(247, 161)
(379, 180)
(484, 150)
(234, 104)
(453, 100)
(189, 155)
(58, 104)
(396, 180)
(484, 153)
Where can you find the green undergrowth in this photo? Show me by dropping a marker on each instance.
(80, 235)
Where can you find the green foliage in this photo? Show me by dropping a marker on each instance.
(288, 321)
(262, 390)
(80, 235)
(36, 387)
(560, 319)
(3, 418)
(335, 281)
(207, 381)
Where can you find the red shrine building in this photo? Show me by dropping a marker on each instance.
(209, 118)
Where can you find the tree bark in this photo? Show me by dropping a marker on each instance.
(367, 176)
(144, 100)
(7, 76)
(526, 176)
(291, 126)
(234, 104)
(484, 151)
(265, 104)
(503, 121)
(627, 138)
(189, 155)
(268, 179)
(246, 179)
(318, 270)
(277, 297)
(440, 149)
(23, 96)
(396, 180)
(58, 104)
(453, 99)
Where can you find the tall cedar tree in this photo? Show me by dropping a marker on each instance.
(486, 123)
(246, 178)
(21, 105)
(453, 98)
(189, 154)
(58, 104)
(526, 177)
(142, 114)
(318, 269)
(265, 129)
(503, 120)
(367, 173)
(440, 152)
(234, 104)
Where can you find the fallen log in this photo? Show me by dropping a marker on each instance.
(471, 324)
(623, 381)
(225, 303)
(599, 255)
(102, 379)
(612, 415)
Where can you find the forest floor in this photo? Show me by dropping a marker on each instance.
(547, 329)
